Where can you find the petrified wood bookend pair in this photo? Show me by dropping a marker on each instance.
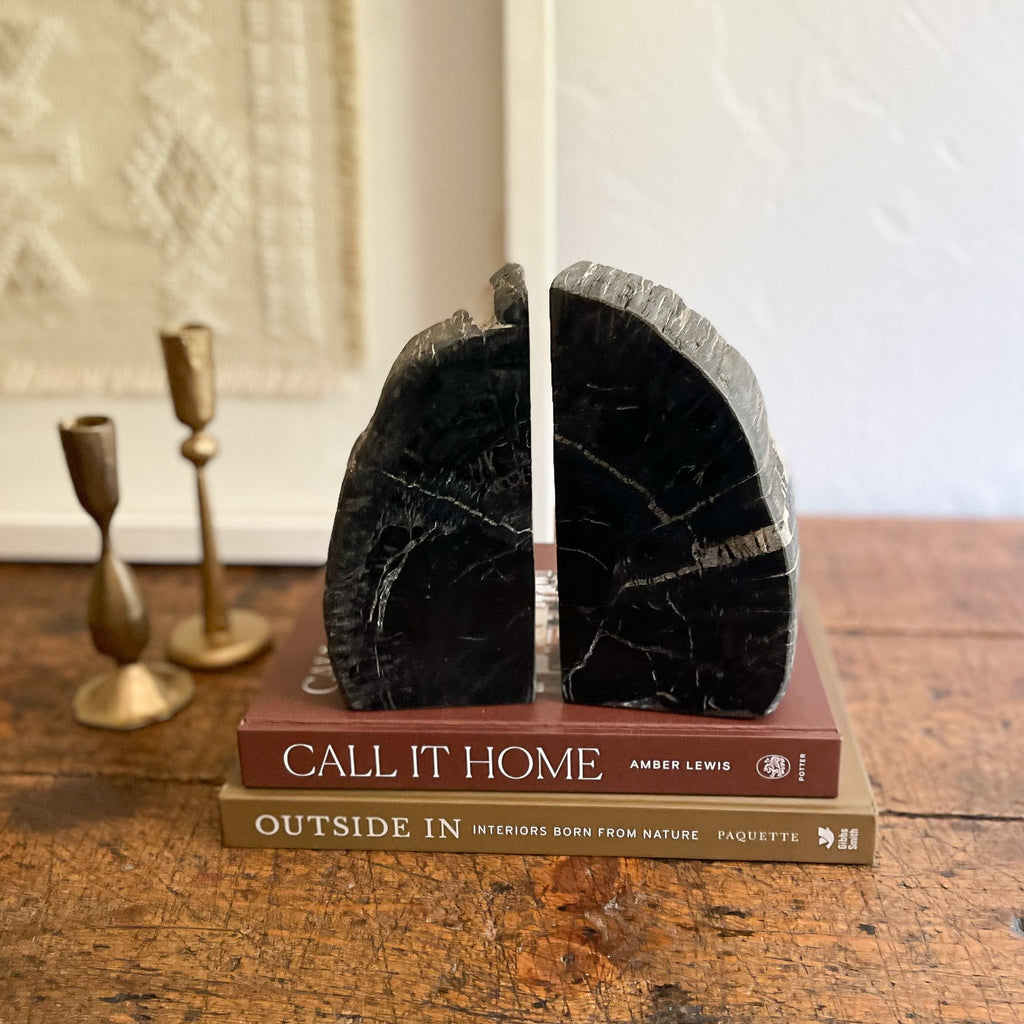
(677, 551)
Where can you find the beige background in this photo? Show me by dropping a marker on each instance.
(431, 176)
(836, 186)
(175, 161)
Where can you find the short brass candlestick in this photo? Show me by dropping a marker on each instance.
(132, 694)
(220, 637)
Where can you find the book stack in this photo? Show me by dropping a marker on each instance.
(548, 777)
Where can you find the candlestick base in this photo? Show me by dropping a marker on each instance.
(247, 636)
(131, 696)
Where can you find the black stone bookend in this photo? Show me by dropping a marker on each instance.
(677, 549)
(429, 591)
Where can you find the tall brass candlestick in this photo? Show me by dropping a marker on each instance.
(132, 694)
(220, 637)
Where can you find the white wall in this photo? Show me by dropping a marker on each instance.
(432, 229)
(839, 187)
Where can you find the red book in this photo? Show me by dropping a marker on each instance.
(298, 733)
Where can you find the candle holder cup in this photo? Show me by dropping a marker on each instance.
(219, 637)
(132, 694)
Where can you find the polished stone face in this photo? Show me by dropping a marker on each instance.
(677, 550)
(430, 582)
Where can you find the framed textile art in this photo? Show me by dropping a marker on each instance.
(173, 160)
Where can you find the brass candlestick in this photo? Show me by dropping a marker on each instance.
(220, 637)
(133, 694)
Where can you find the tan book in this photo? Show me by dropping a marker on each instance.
(840, 830)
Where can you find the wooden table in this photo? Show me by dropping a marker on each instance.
(119, 904)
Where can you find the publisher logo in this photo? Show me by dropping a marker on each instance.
(826, 837)
(773, 766)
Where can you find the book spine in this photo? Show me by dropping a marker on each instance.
(743, 765)
(465, 824)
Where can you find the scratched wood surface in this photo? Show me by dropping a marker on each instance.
(117, 902)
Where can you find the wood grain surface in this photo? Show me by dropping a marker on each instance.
(118, 903)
